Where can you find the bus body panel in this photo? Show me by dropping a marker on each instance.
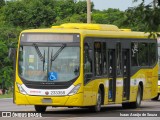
(91, 89)
(148, 77)
(119, 90)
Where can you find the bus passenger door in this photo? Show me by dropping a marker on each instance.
(112, 75)
(126, 73)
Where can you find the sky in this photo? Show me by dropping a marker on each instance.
(119, 4)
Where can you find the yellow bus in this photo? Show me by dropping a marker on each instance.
(85, 65)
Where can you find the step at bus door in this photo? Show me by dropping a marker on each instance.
(112, 75)
(126, 73)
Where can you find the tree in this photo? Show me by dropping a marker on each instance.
(2, 3)
(8, 38)
(150, 15)
(29, 13)
(134, 19)
(110, 16)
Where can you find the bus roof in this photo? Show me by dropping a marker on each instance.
(101, 27)
(92, 30)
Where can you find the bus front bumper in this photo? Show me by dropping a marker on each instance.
(57, 101)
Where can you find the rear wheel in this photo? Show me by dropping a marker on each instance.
(97, 107)
(137, 103)
(40, 108)
(139, 98)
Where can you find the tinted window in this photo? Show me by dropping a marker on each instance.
(152, 53)
(118, 59)
(143, 54)
(87, 60)
(98, 58)
(134, 54)
(104, 59)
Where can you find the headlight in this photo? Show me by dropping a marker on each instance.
(21, 90)
(74, 90)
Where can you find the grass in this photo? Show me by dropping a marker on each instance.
(7, 95)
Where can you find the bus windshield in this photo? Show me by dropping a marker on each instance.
(64, 67)
(49, 64)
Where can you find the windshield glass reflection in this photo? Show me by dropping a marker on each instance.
(63, 67)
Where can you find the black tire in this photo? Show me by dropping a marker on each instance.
(156, 98)
(137, 103)
(40, 108)
(126, 105)
(97, 107)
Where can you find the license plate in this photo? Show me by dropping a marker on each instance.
(46, 100)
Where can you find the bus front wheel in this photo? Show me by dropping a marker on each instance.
(97, 107)
(40, 108)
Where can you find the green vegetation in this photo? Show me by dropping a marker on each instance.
(25, 14)
(8, 95)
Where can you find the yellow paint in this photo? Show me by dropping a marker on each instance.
(87, 94)
(119, 92)
(159, 89)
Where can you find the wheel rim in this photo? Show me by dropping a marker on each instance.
(99, 102)
(139, 96)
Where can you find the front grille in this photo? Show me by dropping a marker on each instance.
(46, 86)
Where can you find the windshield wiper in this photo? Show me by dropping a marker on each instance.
(42, 57)
(53, 57)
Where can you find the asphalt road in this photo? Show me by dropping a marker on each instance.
(148, 108)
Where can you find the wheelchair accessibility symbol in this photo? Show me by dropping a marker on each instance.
(52, 76)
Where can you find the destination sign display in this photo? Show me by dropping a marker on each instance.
(45, 37)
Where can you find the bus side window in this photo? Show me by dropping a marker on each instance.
(98, 58)
(134, 54)
(87, 63)
(152, 53)
(104, 59)
(143, 54)
(118, 59)
(104, 54)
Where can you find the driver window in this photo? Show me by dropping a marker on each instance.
(87, 60)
